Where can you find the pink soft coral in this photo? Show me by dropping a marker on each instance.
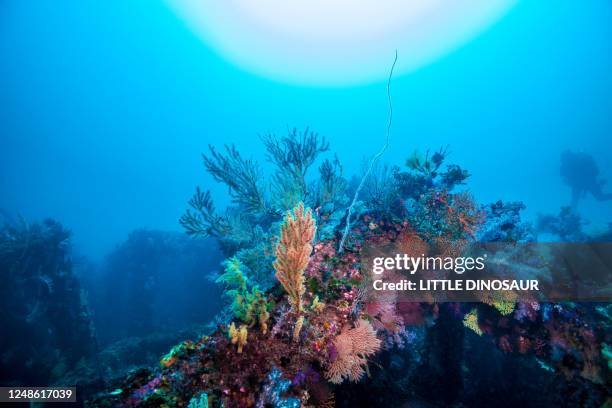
(352, 347)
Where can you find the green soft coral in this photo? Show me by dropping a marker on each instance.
(248, 303)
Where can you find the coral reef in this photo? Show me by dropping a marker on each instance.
(319, 332)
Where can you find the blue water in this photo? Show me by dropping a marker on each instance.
(106, 107)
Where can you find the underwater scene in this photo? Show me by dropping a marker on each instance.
(324, 203)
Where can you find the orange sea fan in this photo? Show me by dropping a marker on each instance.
(352, 346)
(410, 243)
(293, 253)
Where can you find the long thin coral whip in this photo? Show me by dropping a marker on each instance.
(372, 161)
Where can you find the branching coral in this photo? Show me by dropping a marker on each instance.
(201, 219)
(293, 155)
(381, 194)
(427, 165)
(442, 214)
(332, 183)
(425, 176)
(352, 348)
(454, 175)
(242, 176)
(464, 215)
(234, 277)
(293, 253)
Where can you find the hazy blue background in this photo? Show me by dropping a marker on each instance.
(106, 106)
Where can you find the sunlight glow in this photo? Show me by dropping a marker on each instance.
(336, 42)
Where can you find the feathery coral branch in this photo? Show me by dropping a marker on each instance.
(293, 253)
(242, 176)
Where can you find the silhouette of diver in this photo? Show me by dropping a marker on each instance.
(580, 172)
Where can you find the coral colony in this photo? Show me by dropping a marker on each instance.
(298, 327)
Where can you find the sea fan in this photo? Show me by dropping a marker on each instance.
(352, 347)
(293, 253)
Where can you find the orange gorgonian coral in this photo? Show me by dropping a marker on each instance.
(293, 253)
(352, 347)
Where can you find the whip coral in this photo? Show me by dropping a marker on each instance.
(373, 161)
(293, 253)
(352, 347)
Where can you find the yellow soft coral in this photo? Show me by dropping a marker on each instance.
(317, 306)
(250, 306)
(238, 336)
(505, 307)
(471, 322)
(503, 301)
(298, 328)
(264, 316)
